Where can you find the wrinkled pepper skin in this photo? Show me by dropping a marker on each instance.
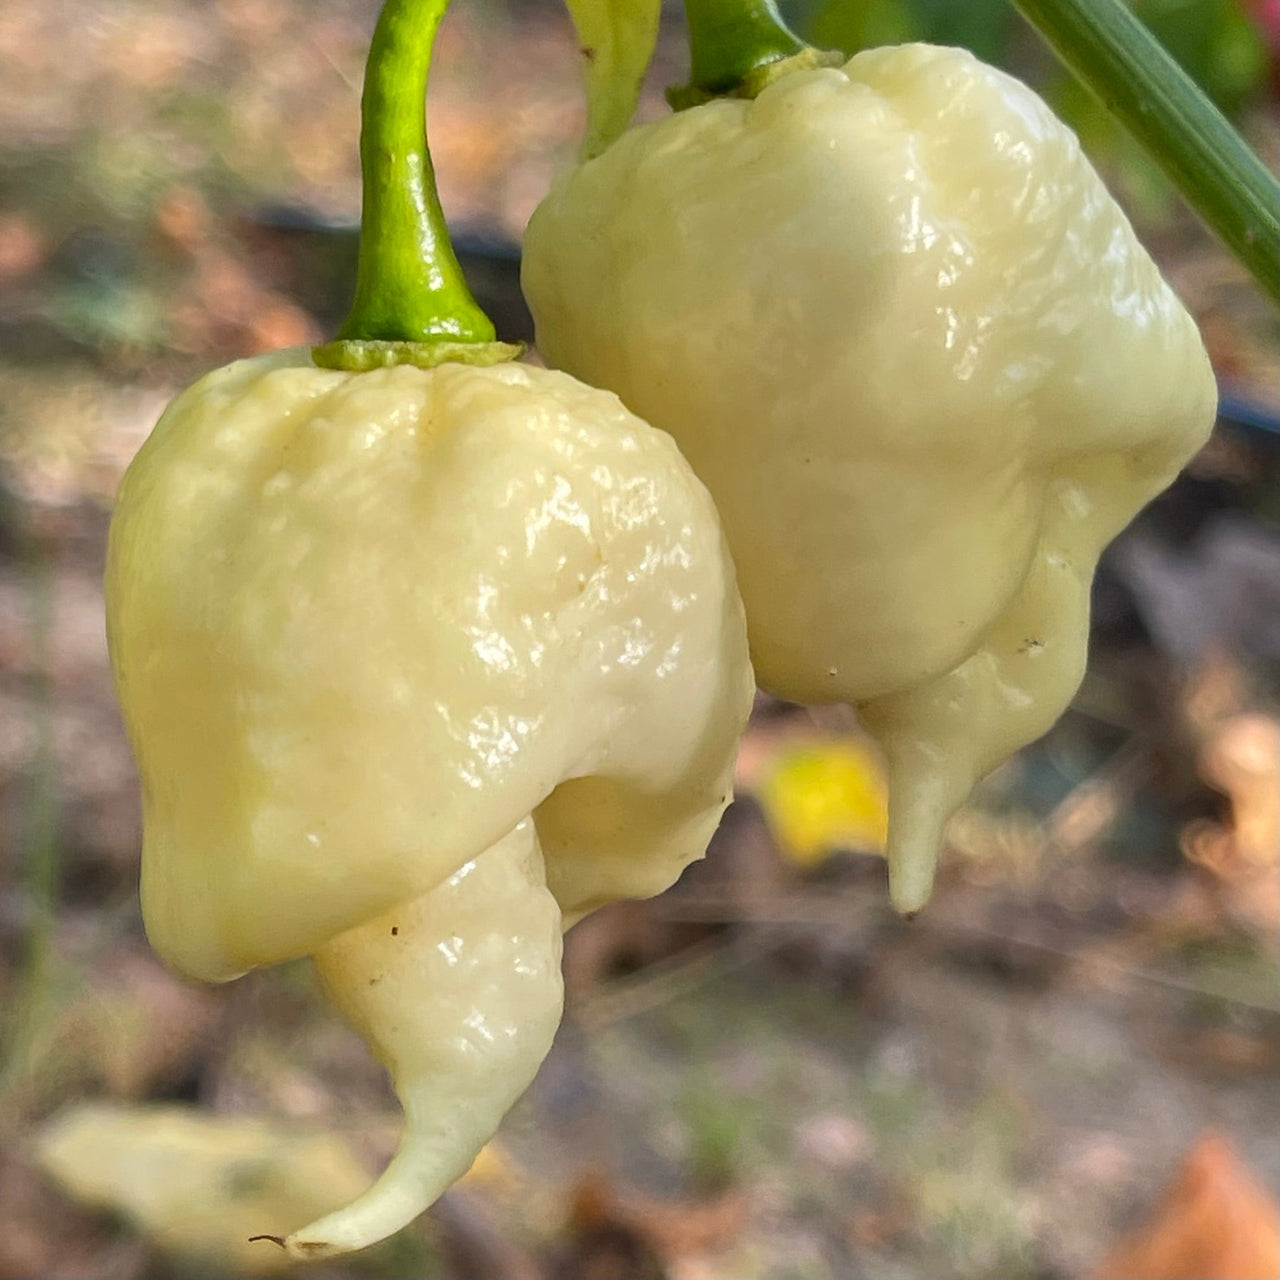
(906, 337)
(418, 666)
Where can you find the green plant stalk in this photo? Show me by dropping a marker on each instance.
(33, 990)
(412, 304)
(1214, 169)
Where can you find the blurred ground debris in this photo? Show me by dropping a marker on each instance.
(764, 1072)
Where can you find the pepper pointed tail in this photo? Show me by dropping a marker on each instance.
(940, 737)
(925, 789)
(419, 1172)
(459, 994)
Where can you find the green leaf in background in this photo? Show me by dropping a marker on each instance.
(617, 39)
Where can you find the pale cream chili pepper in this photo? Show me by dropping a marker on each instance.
(418, 666)
(897, 324)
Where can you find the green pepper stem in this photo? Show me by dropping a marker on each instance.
(729, 39)
(1218, 175)
(409, 286)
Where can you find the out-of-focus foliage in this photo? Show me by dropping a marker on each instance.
(1218, 43)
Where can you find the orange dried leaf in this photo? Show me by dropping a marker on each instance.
(1215, 1222)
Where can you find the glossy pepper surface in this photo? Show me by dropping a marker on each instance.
(418, 665)
(901, 330)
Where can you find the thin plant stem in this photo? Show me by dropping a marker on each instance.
(1219, 176)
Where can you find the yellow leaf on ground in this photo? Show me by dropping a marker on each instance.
(825, 794)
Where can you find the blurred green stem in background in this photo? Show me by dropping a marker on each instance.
(1217, 173)
(31, 999)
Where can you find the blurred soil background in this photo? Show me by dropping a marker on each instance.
(1066, 1066)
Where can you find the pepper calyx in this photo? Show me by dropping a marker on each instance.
(757, 79)
(360, 355)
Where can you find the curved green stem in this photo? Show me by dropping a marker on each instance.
(1120, 61)
(410, 289)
